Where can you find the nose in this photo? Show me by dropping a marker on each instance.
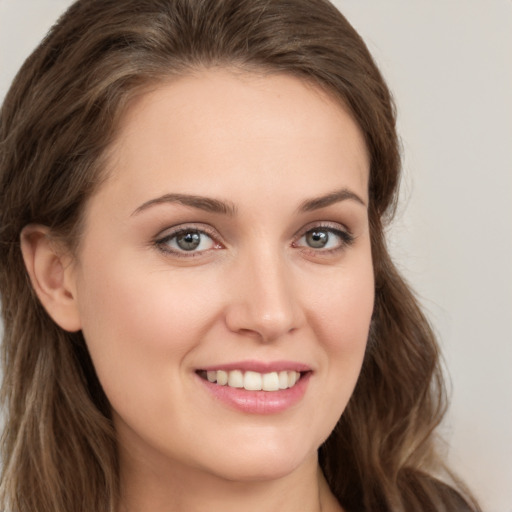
(264, 301)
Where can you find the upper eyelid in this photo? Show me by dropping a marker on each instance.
(176, 230)
(211, 231)
(161, 240)
(166, 235)
(338, 226)
(342, 233)
(214, 233)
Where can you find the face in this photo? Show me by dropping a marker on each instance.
(226, 257)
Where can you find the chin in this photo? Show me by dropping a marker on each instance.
(263, 464)
(256, 472)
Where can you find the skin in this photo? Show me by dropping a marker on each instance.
(152, 316)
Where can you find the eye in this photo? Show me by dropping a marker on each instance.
(324, 238)
(186, 240)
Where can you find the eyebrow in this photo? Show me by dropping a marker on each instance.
(211, 205)
(328, 199)
(207, 204)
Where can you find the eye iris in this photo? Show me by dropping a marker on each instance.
(188, 241)
(317, 239)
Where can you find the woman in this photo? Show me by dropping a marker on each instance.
(199, 308)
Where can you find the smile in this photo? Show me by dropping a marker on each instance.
(251, 380)
(257, 387)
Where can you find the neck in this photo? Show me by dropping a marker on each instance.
(179, 489)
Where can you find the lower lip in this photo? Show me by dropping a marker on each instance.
(259, 402)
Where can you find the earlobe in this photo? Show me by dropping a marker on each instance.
(51, 275)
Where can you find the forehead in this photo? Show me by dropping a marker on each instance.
(239, 125)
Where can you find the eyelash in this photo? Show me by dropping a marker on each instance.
(345, 240)
(162, 243)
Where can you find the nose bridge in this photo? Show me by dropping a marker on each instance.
(266, 303)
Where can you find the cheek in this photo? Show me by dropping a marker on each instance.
(343, 307)
(342, 323)
(134, 320)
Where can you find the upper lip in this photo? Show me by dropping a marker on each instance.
(260, 366)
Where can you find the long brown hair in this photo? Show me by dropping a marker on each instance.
(57, 121)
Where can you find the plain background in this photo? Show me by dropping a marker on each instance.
(449, 65)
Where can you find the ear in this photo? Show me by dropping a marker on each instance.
(50, 268)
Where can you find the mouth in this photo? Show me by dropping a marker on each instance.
(255, 387)
(252, 380)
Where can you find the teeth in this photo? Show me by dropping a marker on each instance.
(284, 380)
(236, 379)
(222, 378)
(270, 381)
(254, 381)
